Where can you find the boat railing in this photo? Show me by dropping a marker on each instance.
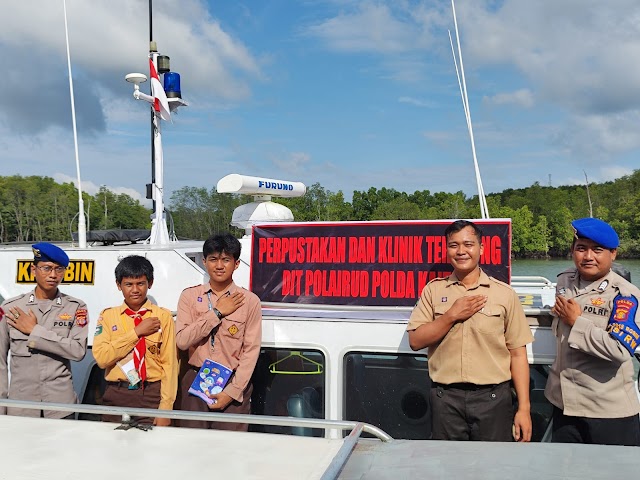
(127, 413)
(531, 281)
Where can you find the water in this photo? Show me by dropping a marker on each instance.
(551, 268)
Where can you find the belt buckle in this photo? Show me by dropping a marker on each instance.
(133, 387)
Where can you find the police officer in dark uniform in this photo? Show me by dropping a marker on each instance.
(44, 330)
(597, 328)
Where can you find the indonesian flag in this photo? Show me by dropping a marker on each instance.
(160, 102)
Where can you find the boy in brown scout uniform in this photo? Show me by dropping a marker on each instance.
(221, 322)
(44, 330)
(135, 344)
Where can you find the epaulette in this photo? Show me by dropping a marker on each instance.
(13, 299)
(499, 282)
(70, 298)
(571, 270)
(165, 309)
(191, 287)
(623, 286)
(437, 279)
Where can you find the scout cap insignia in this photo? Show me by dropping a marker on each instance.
(48, 252)
(596, 230)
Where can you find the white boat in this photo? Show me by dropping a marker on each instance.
(324, 372)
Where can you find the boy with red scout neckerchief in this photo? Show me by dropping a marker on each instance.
(44, 329)
(135, 344)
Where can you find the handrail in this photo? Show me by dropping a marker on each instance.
(340, 458)
(127, 412)
(531, 281)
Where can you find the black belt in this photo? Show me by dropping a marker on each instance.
(127, 385)
(467, 386)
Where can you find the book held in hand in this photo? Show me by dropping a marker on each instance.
(211, 379)
(128, 367)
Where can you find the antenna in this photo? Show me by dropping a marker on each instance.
(588, 194)
(484, 210)
(82, 221)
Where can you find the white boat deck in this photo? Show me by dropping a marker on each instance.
(40, 448)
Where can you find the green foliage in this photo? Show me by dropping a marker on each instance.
(198, 213)
(38, 208)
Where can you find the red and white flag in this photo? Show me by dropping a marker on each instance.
(160, 102)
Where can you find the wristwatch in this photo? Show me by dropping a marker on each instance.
(218, 313)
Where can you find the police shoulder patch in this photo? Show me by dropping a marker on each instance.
(81, 317)
(622, 324)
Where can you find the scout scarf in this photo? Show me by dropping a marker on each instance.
(141, 347)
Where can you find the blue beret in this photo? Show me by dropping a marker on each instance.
(595, 229)
(48, 252)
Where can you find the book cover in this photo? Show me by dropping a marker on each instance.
(211, 378)
(128, 367)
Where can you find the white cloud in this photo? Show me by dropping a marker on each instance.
(576, 52)
(416, 102)
(108, 40)
(293, 161)
(595, 138)
(91, 188)
(371, 28)
(523, 98)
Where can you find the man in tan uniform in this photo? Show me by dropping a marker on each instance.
(476, 332)
(221, 322)
(44, 330)
(597, 327)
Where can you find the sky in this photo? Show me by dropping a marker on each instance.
(348, 94)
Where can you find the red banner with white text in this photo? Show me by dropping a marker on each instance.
(363, 263)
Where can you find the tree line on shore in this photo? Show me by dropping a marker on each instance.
(37, 208)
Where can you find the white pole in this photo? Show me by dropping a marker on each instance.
(82, 222)
(484, 211)
(159, 230)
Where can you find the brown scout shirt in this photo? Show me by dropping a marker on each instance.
(41, 361)
(237, 337)
(477, 350)
(592, 375)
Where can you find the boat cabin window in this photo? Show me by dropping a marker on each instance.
(389, 391)
(289, 382)
(541, 408)
(195, 257)
(392, 392)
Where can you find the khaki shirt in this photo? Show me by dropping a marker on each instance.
(476, 350)
(237, 337)
(116, 338)
(592, 375)
(41, 362)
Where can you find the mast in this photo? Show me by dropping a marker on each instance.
(82, 222)
(588, 194)
(161, 106)
(484, 210)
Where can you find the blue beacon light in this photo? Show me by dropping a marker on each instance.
(172, 85)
